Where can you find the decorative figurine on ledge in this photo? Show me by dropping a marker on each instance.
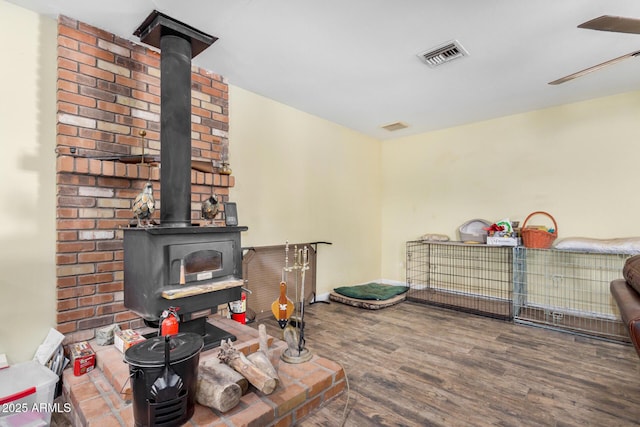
(144, 205)
(225, 169)
(210, 209)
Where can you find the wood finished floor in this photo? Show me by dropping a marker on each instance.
(418, 365)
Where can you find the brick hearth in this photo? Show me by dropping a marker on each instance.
(103, 397)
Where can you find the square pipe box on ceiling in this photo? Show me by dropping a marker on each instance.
(158, 24)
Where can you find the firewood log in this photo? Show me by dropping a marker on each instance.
(261, 357)
(238, 361)
(216, 391)
(225, 371)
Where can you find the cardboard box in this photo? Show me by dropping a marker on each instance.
(83, 358)
(125, 339)
(502, 241)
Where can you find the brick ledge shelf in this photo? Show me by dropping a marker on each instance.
(113, 168)
(97, 400)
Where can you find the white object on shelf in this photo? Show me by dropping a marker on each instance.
(474, 231)
(502, 241)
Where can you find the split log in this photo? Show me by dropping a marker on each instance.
(225, 371)
(238, 361)
(216, 391)
(261, 357)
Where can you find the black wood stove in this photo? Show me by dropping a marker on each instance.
(177, 264)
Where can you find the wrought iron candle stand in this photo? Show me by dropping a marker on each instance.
(296, 352)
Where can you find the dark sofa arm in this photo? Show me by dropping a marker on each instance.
(628, 301)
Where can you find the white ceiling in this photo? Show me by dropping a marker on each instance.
(354, 62)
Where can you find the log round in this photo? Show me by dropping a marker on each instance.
(215, 391)
(225, 371)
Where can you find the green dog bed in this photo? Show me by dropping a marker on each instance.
(371, 291)
(371, 296)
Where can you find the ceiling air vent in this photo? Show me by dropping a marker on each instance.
(442, 54)
(395, 126)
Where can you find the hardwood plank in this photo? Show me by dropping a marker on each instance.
(414, 364)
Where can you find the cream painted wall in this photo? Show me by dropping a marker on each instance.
(578, 162)
(304, 179)
(27, 181)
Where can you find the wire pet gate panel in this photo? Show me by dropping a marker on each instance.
(568, 291)
(473, 278)
(262, 273)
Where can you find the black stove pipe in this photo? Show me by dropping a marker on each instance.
(178, 44)
(175, 131)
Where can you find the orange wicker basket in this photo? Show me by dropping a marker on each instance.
(536, 238)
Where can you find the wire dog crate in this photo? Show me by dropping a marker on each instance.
(473, 278)
(568, 291)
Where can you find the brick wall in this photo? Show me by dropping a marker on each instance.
(108, 92)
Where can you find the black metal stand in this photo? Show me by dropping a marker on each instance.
(314, 245)
(212, 335)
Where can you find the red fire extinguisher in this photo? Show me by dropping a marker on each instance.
(238, 309)
(169, 325)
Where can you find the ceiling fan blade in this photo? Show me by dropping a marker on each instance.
(618, 24)
(594, 68)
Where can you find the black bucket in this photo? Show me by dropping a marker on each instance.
(164, 392)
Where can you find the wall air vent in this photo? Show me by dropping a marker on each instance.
(442, 54)
(395, 126)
